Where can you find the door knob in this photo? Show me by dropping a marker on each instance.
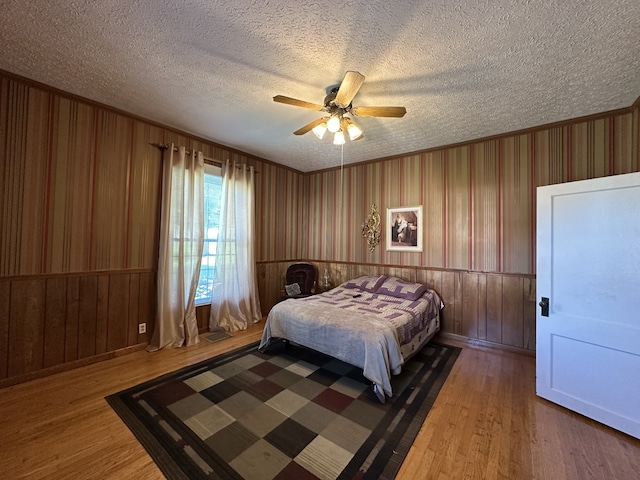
(544, 305)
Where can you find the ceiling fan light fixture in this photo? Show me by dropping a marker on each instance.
(353, 131)
(333, 124)
(320, 130)
(337, 104)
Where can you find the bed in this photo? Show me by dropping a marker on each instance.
(373, 322)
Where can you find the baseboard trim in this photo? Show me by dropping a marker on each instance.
(484, 343)
(64, 367)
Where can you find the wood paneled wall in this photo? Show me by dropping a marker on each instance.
(48, 321)
(494, 308)
(80, 189)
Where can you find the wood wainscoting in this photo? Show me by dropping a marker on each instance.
(51, 323)
(492, 309)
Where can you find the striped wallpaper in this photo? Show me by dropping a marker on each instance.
(80, 187)
(81, 184)
(479, 199)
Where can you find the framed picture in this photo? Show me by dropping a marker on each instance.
(404, 229)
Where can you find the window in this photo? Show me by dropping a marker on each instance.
(212, 197)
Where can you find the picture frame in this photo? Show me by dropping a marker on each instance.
(404, 229)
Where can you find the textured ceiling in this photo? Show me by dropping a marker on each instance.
(463, 69)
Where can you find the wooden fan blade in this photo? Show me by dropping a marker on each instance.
(297, 103)
(379, 111)
(350, 85)
(310, 126)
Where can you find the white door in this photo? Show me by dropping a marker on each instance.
(588, 267)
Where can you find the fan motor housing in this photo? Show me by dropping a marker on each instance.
(330, 97)
(331, 107)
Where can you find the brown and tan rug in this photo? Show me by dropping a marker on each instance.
(289, 414)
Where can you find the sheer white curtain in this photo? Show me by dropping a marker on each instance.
(235, 304)
(181, 243)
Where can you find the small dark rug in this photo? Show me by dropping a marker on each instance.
(216, 336)
(291, 413)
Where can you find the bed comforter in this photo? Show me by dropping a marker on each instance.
(375, 332)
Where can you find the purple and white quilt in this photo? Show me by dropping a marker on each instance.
(371, 330)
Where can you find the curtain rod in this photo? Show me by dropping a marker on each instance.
(217, 163)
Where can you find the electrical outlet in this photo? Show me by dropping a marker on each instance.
(142, 328)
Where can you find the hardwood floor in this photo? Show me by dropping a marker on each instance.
(486, 423)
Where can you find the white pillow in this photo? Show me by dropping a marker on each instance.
(293, 289)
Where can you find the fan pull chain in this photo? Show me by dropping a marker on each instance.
(341, 193)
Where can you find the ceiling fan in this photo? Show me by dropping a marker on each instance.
(338, 104)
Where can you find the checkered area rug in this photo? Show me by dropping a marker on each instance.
(291, 413)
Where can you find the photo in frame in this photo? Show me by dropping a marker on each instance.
(404, 229)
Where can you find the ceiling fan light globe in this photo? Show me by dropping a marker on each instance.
(338, 138)
(333, 125)
(354, 132)
(320, 130)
